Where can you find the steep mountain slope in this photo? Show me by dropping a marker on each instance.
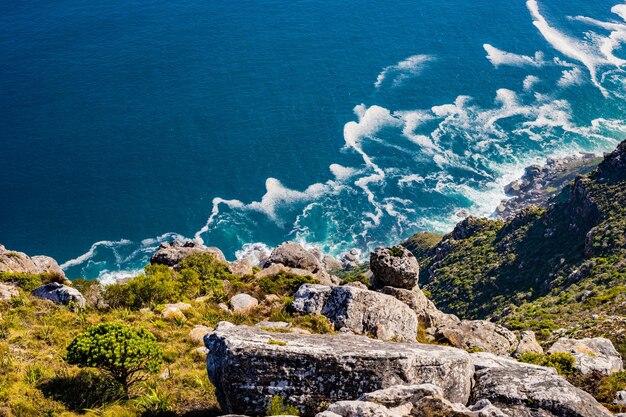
(548, 268)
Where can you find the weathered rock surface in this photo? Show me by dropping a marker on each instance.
(591, 354)
(198, 332)
(172, 253)
(524, 390)
(293, 255)
(19, 262)
(47, 265)
(427, 313)
(8, 291)
(481, 334)
(620, 398)
(394, 267)
(527, 344)
(241, 303)
(360, 311)
(308, 370)
(60, 294)
(241, 267)
(175, 311)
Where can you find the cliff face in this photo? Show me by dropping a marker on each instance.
(561, 266)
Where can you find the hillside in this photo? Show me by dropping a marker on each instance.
(560, 267)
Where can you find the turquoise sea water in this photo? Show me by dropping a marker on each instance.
(336, 123)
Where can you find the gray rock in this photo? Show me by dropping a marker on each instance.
(394, 267)
(311, 298)
(8, 291)
(591, 354)
(437, 406)
(360, 311)
(359, 409)
(293, 255)
(478, 334)
(524, 390)
(241, 303)
(620, 398)
(247, 369)
(241, 267)
(60, 294)
(48, 265)
(331, 264)
(527, 344)
(172, 253)
(356, 284)
(398, 395)
(427, 313)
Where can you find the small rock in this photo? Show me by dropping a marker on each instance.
(620, 398)
(527, 344)
(198, 332)
(173, 311)
(241, 303)
(8, 291)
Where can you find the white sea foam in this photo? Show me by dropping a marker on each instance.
(498, 58)
(409, 67)
(342, 173)
(571, 78)
(409, 180)
(111, 277)
(92, 251)
(530, 82)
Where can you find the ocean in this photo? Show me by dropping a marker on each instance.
(338, 124)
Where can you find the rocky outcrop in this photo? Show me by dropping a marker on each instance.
(524, 390)
(427, 313)
(8, 291)
(275, 269)
(175, 311)
(241, 267)
(48, 265)
(614, 165)
(540, 184)
(241, 303)
(19, 262)
(527, 344)
(60, 294)
(358, 310)
(248, 366)
(395, 267)
(591, 355)
(293, 255)
(478, 334)
(172, 253)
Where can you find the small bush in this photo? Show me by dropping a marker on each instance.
(277, 407)
(27, 282)
(124, 353)
(562, 362)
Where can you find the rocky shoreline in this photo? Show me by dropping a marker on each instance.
(540, 184)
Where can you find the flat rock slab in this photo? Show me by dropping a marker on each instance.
(524, 390)
(248, 366)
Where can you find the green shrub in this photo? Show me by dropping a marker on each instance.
(124, 353)
(27, 282)
(562, 362)
(277, 407)
(314, 322)
(211, 272)
(284, 283)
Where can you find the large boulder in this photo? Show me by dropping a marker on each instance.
(48, 265)
(293, 255)
(427, 313)
(394, 267)
(524, 390)
(478, 335)
(60, 294)
(248, 366)
(17, 262)
(591, 355)
(172, 253)
(358, 310)
(241, 267)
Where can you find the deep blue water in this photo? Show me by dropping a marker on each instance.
(122, 121)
